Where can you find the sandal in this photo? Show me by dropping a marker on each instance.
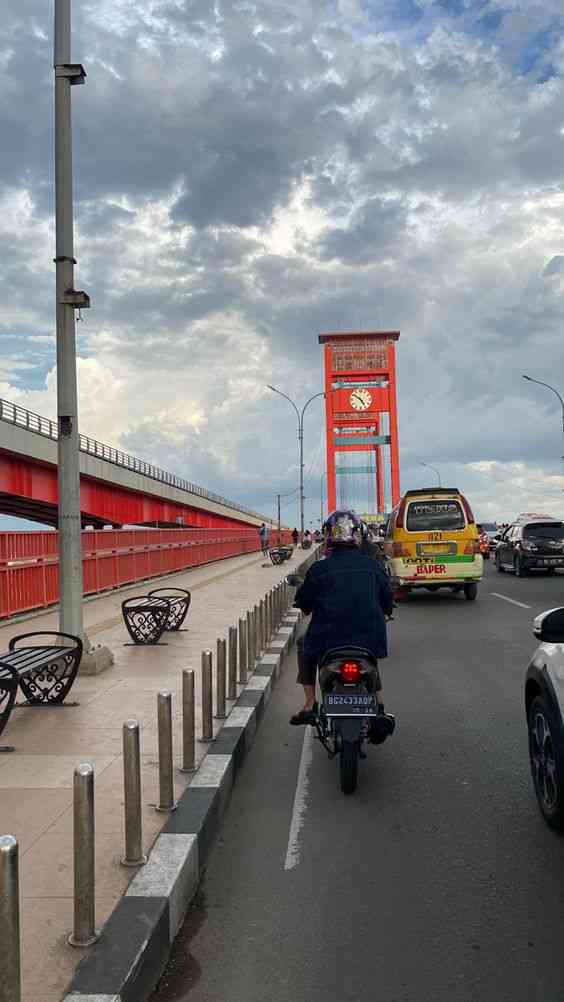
(381, 727)
(304, 717)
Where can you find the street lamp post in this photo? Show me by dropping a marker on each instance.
(278, 498)
(428, 465)
(301, 444)
(548, 387)
(68, 299)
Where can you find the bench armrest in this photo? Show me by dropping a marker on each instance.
(76, 641)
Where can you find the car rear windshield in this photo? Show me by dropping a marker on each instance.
(544, 530)
(424, 516)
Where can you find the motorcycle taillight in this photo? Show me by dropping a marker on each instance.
(350, 672)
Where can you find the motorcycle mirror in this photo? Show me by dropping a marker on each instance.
(294, 580)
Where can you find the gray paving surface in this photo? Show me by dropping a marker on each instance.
(438, 881)
(36, 780)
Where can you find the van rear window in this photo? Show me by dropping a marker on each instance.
(424, 516)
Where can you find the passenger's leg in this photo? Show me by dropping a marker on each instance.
(307, 670)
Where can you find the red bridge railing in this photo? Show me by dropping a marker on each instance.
(29, 561)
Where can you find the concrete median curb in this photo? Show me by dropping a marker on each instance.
(127, 962)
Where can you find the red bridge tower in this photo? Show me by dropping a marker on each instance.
(361, 408)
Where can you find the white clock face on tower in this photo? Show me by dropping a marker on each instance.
(360, 400)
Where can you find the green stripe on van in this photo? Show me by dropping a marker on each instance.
(446, 558)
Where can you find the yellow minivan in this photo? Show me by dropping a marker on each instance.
(432, 542)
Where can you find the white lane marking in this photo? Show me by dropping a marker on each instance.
(512, 600)
(300, 801)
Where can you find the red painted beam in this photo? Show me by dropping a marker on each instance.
(31, 486)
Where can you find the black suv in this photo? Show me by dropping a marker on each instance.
(535, 545)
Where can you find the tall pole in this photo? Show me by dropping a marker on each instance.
(301, 444)
(321, 498)
(70, 548)
(278, 500)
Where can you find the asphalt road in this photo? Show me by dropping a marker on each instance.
(437, 881)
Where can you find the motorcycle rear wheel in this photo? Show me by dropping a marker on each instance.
(348, 766)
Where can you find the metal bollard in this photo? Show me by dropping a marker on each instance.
(188, 722)
(207, 696)
(256, 653)
(232, 673)
(84, 932)
(10, 948)
(242, 651)
(272, 623)
(262, 630)
(134, 855)
(256, 621)
(220, 679)
(166, 781)
(250, 652)
(269, 630)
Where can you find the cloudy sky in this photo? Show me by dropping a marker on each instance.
(248, 174)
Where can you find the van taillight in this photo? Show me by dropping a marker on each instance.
(401, 514)
(350, 672)
(472, 547)
(467, 510)
(400, 550)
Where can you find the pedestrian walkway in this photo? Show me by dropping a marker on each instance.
(36, 780)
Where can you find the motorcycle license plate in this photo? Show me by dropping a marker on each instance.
(354, 704)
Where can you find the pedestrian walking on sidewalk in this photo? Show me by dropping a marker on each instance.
(264, 533)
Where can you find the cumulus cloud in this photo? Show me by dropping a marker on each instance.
(247, 175)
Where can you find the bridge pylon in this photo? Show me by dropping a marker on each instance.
(361, 410)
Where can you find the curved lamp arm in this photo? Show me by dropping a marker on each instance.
(286, 397)
(548, 387)
(429, 467)
(307, 403)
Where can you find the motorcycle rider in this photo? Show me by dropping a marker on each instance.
(348, 596)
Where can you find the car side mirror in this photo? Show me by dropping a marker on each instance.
(548, 627)
(294, 580)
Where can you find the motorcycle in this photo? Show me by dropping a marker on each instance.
(485, 545)
(348, 715)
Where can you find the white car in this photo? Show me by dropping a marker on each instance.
(544, 703)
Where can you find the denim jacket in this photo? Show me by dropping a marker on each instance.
(348, 596)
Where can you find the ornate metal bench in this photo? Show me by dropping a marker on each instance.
(179, 599)
(278, 554)
(145, 618)
(44, 672)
